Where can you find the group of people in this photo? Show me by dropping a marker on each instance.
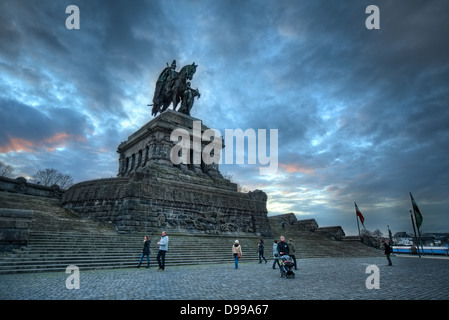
(280, 248)
(163, 248)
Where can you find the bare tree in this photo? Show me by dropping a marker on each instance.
(50, 177)
(377, 234)
(366, 232)
(6, 170)
(65, 181)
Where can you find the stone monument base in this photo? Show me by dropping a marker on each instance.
(152, 194)
(147, 202)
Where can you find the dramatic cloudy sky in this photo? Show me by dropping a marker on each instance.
(361, 114)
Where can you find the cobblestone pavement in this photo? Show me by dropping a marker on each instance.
(324, 278)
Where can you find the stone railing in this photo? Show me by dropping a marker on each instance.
(20, 185)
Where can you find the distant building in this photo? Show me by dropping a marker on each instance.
(402, 239)
(428, 239)
(435, 239)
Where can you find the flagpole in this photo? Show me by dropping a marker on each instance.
(414, 230)
(358, 227)
(357, 218)
(417, 224)
(419, 235)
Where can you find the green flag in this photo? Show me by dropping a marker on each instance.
(418, 215)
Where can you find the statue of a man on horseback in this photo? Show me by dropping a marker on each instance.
(173, 87)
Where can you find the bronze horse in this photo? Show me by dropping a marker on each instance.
(170, 87)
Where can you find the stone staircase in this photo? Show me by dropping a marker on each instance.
(56, 251)
(59, 238)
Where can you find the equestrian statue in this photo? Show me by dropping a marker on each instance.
(173, 87)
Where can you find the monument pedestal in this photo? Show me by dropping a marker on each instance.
(151, 144)
(152, 194)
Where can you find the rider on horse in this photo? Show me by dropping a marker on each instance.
(171, 87)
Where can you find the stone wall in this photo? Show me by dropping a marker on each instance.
(333, 232)
(14, 228)
(20, 185)
(290, 219)
(307, 224)
(168, 198)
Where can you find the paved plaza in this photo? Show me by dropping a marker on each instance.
(321, 278)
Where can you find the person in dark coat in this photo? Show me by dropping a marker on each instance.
(292, 251)
(260, 251)
(145, 251)
(387, 251)
(283, 248)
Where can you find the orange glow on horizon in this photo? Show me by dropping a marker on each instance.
(58, 140)
(293, 167)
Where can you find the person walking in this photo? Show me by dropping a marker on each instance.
(387, 251)
(163, 248)
(237, 252)
(275, 254)
(260, 251)
(292, 248)
(283, 248)
(145, 251)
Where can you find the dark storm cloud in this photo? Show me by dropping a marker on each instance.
(393, 121)
(97, 61)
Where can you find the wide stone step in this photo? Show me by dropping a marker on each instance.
(88, 265)
(95, 262)
(113, 258)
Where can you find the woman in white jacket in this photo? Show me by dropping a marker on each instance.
(237, 252)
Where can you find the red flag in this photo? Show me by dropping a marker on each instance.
(359, 214)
